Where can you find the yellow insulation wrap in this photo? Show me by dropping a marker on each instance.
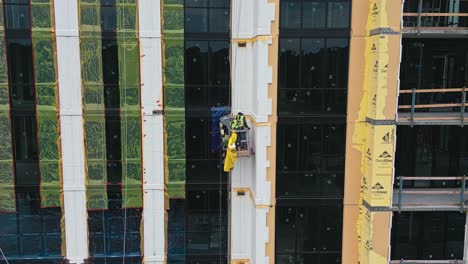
(378, 176)
(380, 92)
(378, 15)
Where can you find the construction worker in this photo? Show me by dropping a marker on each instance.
(231, 154)
(239, 124)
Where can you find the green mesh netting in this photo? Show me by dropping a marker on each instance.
(174, 98)
(47, 112)
(7, 180)
(93, 104)
(129, 86)
(96, 168)
(47, 94)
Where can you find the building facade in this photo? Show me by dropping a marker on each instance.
(110, 147)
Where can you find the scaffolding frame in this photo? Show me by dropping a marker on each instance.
(449, 28)
(462, 205)
(439, 118)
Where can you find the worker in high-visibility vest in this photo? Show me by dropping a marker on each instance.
(231, 154)
(239, 124)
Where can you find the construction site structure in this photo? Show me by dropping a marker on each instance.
(115, 117)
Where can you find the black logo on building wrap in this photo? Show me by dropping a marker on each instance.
(376, 66)
(368, 216)
(385, 157)
(378, 188)
(374, 100)
(364, 184)
(369, 245)
(374, 48)
(375, 10)
(385, 69)
(386, 138)
(369, 154)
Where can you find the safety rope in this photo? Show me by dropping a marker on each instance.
(124, 70)
(4, 257)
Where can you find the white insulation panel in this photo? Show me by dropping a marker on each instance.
(251, 18)
(250, 172)
(251, 75)
(249, 231)
(73, 162)
(154, 213)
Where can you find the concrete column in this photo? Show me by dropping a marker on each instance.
(73, 162)
(154, 211)
(254, 94)
(465, 247)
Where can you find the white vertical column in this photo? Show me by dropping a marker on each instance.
(251, 75)
(154, 212)
(465, 247)
(73, 163)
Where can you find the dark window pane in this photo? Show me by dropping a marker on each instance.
(308, 238)
(196, 62)
(289, 63)
(197, 137)
(108, 18)
(24, 133)
(428, 235)
(301, 101)
(431, 151)
(308, 258)
(288, 147)
(219, 20)
(31, 245)
(285, 259)
(290, 14)
(337, 60)
(336, 100)
(196, 3)
(196, 20)
(9, 245)
(310, 147)
(338, 14)
(285, 229)
(330, 229)
(196, 96)
(312, 62)
(17, 16)
(314, 14)
(219, 3)
(20, 64)
(53, 245)
(219, 63)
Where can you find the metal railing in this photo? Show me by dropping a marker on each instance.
(435, 18)
(439, 92)
(461, 191)
(403, 261)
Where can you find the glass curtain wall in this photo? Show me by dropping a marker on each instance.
(198, 216)
(30, 175)
(312, 95)
(112, 126)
